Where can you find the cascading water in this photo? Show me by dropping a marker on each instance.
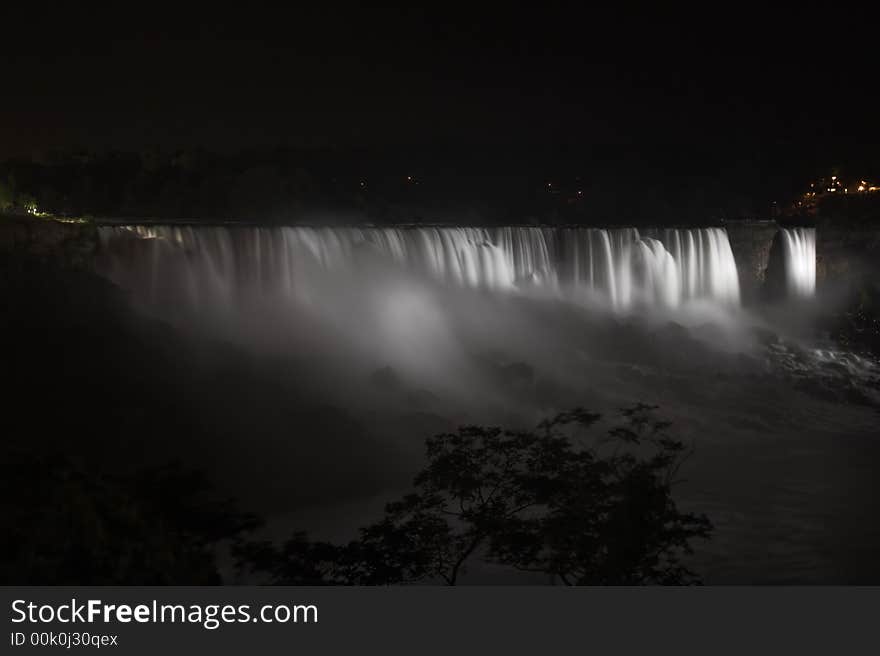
(653, 268)
(624, 267)
(799, 253)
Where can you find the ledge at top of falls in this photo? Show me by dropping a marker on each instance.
(642, 225)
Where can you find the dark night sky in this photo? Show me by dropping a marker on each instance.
(422, 79)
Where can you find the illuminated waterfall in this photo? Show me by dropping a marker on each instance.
(624, 267)
(654, 267)
(799, 253)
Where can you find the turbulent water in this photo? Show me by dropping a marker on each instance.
(349, 346)
(625, 268)
(799, 250)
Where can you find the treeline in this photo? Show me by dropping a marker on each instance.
(484, 186)
(180, 184)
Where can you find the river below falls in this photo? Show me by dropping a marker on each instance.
(360, 344)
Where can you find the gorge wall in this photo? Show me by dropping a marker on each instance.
(846, 252)
(751, 242)
(66, 245)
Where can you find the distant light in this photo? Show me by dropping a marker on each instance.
(580, 193)
(409, 178)
(834, 177)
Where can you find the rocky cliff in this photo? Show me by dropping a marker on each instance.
(844, 252)
(751, 242)
(67, 245)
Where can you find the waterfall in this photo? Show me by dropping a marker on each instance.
(623, 267)
(799, 259)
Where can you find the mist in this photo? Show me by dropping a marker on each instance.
(373, 341)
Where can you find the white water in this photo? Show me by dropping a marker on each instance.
(320, 425)
(799, 251)
(624, 267)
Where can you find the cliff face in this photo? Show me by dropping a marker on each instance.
(751, 242)
(67, 245)
(844, 252)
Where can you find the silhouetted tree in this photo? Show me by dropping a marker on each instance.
(299, 561)
(599, 512)
(67, 524)
(610, 519)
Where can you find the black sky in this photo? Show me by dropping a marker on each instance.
(342, 79)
